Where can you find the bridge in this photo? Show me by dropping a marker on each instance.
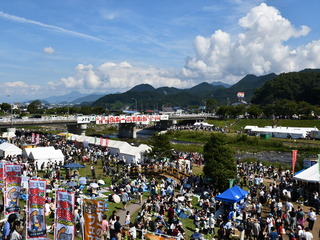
(78, 124)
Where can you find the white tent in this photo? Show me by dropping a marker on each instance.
(8, 149)
(44, 155)
(309, 175)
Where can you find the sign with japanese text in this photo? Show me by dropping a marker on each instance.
(64, 217)
(36, 221)
(92, 214)
(12, 175)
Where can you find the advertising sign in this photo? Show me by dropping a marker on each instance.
(92, 214)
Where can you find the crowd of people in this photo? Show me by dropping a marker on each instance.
(275, 206)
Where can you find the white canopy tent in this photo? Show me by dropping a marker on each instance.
(8, 149)
(311, 174)
(44, 155)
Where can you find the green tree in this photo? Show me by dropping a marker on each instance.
(35, 107)
(160, 146)
(254, 111)
(220, 164)
(211, 105)
(5, 107)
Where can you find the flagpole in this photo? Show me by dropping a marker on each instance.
(27, 211)
(82, 216)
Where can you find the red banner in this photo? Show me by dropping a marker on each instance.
(36, 221)
(38, 138)
(92, 214)
(64, 217)
(294, 159)
(32, 137)
(12, 188)
(2, 175)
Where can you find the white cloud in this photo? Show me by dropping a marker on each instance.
(260, 49)
(111, 77)
(48, 50)
(20, 88)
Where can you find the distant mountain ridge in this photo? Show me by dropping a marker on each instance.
(149, 97)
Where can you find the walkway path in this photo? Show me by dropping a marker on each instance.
(132, 208)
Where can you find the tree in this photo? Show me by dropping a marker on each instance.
(5, 107)
(254, 111)
(211, 105)
(35, 107)
(160, 146)
(220, 165)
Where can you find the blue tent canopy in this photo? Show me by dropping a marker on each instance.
(73, 166)
(232, 195)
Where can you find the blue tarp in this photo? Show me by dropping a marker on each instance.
(232, 195)
(73, 166)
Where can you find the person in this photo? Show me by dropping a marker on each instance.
(196, 235)
(7, 226)
(273, 235)
(124, 199)
(127, 220)
(133, 231)
(105, 228)
(311, 218)
(15, 235)
(118, 228)
(307, 234)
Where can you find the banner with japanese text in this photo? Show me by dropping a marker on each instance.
(12, 188)
(2, 175)
(64, 217)
(32, 137)
(294, 159)
(37, 138)
(36, 220)
(92, 214)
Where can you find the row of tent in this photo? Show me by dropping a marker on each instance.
(131, 154)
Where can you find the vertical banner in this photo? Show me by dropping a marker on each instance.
(2, 175)
(107, 142)
(64, 217)
(38, 138)
(36, 220)
(32, 137)
(101, 141)
(294, 159)
(319, 163)
(92, 214)
(231, 182)
(12, 188)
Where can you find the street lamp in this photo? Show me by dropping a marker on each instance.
(11, 108)
(136, 103)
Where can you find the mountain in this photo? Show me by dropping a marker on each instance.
(142, 88)
(204, 88)
(218, 83)
(64, 98)
(301, 86)
(89, 98)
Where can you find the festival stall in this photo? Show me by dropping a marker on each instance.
(44, 155)
(311, 174)
(232, 195)
(8, 149)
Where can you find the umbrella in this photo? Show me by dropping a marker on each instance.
(83, 180)
(186, 185)
(72, 184)
(169, 179)
(181, 198)
(94, 185)
(116, 198)
(101, 182)
(73, 166)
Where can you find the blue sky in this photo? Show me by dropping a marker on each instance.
(55, 47)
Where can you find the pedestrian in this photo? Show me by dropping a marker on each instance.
(311, 218)
(118, 228)
(15, 235)
(7, 226)
(273, 235)
(308, 235)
